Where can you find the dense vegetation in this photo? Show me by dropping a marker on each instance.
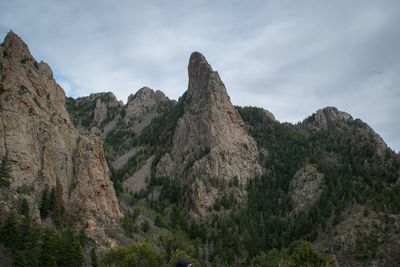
(267, 227)
(32, 244)
(266, 230)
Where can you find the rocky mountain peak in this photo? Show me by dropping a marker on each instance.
(210, 140)
(198, 70)
(145, 94)
(331, 114)
(108, 98)
(15, 47)
(142, 102)
(42, 144)
(323, 117)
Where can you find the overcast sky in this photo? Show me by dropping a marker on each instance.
(290, 57)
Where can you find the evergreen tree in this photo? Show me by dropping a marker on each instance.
(70, 250)
(10, 231)
(50, 249)
(20, 260)
(30, 241)
(52, 199)
(93, 257)
(44, 203)
(5, 172)
(25, 208)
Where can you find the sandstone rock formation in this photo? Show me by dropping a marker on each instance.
(210, 140)
(43, 145)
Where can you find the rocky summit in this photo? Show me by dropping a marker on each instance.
(43, 147)
(156, 180)
(210, 140)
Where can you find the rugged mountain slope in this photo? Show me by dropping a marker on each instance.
(210, 141)
(42, 145)
(267, 185)
(101, 113)
(341, 178)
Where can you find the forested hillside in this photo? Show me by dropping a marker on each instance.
(269, 226)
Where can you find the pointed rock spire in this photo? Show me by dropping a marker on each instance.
(210, 139)
(199, 70)
(15, 47)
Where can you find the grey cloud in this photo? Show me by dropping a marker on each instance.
(290, 57)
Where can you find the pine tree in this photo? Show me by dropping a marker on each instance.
(25, 208)
(30, 240)
(20, 259)
(50, 249)
(10, 231)
(70, 250)
(93, 257)
(5, 172)
(44, 203)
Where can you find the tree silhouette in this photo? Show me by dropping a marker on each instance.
(5, 172)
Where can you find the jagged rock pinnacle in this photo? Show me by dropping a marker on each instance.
(210, 127)
(15, 47)
(198, 70)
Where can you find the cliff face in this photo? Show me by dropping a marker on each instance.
(43, 146)
(210, 141)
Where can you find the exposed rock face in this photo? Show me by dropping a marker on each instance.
(104, 101)
(210, 140)
(100, 113)
(306, 187)
(140, 178)
(359, 234)
(96, 114)
(269, 114)
(326, 117)
(122, 160)
(142, 102)
(42, 144)
(323, 117)
(141, 108)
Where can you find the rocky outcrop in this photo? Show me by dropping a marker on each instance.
(323, 117)
(142, 102)
(306, 187)
(328, 117)
(140, 109)
(363, 236)
(96, 114)
(268, 114)
(140, 179)
(42, 144)
(101, 113)
(210, 140)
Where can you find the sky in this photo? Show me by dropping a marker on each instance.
(289, 57)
